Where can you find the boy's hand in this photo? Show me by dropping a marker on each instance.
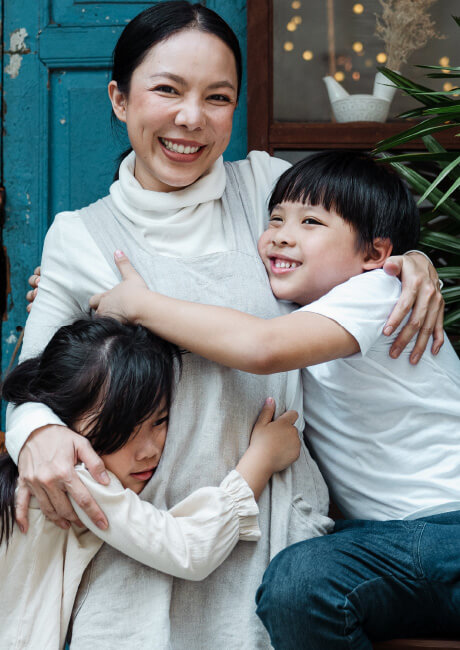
(274, 446)
(123, 302)
(33, 282)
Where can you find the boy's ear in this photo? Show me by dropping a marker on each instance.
(377, 254)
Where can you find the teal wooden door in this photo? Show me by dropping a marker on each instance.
(59, 150)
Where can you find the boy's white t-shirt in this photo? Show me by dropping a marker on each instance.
(385, 433)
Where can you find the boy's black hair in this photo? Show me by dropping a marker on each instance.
(368, 195)
(118, 374)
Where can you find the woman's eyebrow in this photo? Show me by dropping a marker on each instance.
(180, 80)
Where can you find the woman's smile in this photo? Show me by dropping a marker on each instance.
(179, 110)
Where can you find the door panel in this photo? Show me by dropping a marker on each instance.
(59, 148)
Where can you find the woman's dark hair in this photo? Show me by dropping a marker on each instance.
(368, 195)
(159, 22)
(116, 374)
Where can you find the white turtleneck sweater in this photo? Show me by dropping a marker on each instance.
(183, 223)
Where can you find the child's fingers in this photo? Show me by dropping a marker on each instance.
(267, 412)
(289, 416)
(125, 267)
(95, 300)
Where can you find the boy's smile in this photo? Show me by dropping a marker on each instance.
(307, 251)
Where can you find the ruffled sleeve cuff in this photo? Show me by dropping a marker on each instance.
(244, 506)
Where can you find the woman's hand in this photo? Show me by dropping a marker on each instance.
(46, 470)
(33, 282)
(124, 300)
(421, 293)
(275, 444)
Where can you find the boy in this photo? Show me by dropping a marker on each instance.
(385, 432)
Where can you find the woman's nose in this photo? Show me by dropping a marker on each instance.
(191, 114)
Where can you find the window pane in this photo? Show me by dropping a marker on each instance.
(307, 34)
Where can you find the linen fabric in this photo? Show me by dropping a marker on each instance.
(120, 603)
(368, 581)
(385, 432)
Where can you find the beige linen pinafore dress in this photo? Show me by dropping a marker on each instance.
(125, 605)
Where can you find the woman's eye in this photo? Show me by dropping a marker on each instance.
(169, 90)
(219, 98)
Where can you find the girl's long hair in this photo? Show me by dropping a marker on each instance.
(115, 375)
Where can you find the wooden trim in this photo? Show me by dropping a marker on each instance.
(259, 64)
(426, 644)
(353, 135)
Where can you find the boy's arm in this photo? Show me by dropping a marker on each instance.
(227, 336)
(190, 540)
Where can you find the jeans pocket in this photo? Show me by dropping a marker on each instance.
(306, 522)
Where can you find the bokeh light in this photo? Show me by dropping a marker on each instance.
(444, 60)
(358, 8)
(447, 86)
(339, 76)
(298, 20)
(307, 55)
(296, 4)
(291, 26)
(358, 46)
(381, 57)
(288, 46)
(356, 76)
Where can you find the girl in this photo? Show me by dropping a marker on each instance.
(113, 384)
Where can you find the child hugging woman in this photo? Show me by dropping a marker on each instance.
(113, 383)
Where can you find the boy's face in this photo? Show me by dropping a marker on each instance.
(307, 251)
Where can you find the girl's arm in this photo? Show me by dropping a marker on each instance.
(197, 535)
(227, 336)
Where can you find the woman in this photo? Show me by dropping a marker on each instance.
(190, 225)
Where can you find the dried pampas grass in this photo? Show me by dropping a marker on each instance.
(404, 26)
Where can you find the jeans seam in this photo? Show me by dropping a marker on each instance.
(416, 550)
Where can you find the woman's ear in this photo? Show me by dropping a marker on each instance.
(377, 254)
(118, 100)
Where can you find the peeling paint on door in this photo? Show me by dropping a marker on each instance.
(17, 50)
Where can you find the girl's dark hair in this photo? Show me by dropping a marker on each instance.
(368, 195)
(159, 22)
(116, 374)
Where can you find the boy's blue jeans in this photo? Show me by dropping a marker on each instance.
(367, 580)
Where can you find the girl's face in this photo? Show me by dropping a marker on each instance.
(179, 109)
(134, 464)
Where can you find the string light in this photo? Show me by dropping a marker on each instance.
(288, 46)
(447, 86)
(356, 76)
(444, 60)
(381, 57)
(296, 4)
(291, 26)
(339, 76)
(357, 46)
(358, 8)
(298, 21)
(307, 55)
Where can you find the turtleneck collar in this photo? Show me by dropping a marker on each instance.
(132, 199)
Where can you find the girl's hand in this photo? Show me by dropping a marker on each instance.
(422, 294)
(46, 470)
(123, 302)
(33, 282)
(274, 446)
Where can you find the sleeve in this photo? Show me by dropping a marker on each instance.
(361, 305)
(72, 269)
(190, 540)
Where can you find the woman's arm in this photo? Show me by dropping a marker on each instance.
(47, 453)
(197, 535)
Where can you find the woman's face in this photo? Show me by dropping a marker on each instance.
(179, 109)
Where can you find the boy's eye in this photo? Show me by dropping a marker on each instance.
(275, 219)
(311, 221)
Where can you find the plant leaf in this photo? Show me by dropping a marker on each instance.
(446, 243)
(450, 191)
(447, 272)
(437, 180)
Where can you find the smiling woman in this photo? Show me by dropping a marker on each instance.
(190, 225)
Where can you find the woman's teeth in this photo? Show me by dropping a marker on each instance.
(178, 148)
(286, 265)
